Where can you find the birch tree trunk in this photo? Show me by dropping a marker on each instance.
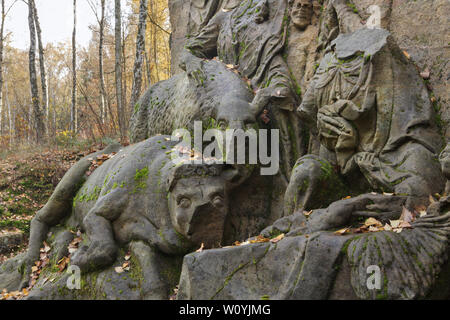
(37, 118)
(73, 113)
(42, 68)
(118, 70)
(140, 51)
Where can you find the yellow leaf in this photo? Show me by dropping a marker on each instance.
(373, 222)
(407, 55)
(395, 223)
(307, 213)
(201, 248)
(342, 231)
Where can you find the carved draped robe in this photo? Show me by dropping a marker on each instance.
(387, 106)
(254, 48)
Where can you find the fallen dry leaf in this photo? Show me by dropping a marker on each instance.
(307, 213)
(373, 222)
(259, 239)
(407, 55)
(432, 199)
(407, 216)
(201, 248)
(342, 231)
(277, 239)
(118, 269)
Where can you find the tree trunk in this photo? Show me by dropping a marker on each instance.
(42, 68)
(155, 40)
(147, 69)
(103, 98)
(73, 113)
(140, 51)
(39, 124)
(2, 28)
(11, 126)
(118, 70)
(124, 76)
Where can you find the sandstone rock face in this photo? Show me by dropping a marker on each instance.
(317, 265)
(419, 27)
(217, 96)
(359, 93)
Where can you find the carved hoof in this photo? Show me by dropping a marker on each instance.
(98, 255)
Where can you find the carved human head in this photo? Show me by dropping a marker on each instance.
(301, 13)
(199, 199)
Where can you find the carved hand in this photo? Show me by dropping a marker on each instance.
(333, 127)
(367, 161)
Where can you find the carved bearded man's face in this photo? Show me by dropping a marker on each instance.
(301, 13)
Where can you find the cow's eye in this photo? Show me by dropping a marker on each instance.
(184, 203)
(217, 201)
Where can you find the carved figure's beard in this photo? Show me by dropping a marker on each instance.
(301, 18)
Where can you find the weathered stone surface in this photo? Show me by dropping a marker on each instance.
(371, 125)
(322, 265)
(252, 35)
(301, 51)
(212, 94)
(372, 128)
(138, 283)
(186, 18)
(10, 275)
(295, 268)
(421, 29)
(139, 195)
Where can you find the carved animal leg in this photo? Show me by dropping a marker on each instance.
(153, 285)
(102, 250)
(56, 209)
(313, 185)
(38, 233)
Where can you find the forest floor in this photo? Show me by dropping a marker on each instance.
(28, 177)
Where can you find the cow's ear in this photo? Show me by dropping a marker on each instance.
(237, 174)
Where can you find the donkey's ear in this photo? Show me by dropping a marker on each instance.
(236, 174)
